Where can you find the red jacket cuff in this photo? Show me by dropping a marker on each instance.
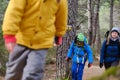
(58, 40)
(9, 38)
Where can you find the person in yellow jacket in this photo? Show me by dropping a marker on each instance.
(29, 28)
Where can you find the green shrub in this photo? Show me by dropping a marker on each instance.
(51, 56)
(3, 55)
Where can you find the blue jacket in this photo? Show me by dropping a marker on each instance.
(78, 54)
(110, 52)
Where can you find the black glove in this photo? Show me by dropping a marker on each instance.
(101, 65)
(89, 65)
(68, 59)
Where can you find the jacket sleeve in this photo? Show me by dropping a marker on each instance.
(102, 51)
(61, 18)
(89, 53)
(13, 16)
(70, 50)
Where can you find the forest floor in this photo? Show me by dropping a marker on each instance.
(50, 72)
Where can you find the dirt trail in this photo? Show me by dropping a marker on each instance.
(50, 72)
(91, 72)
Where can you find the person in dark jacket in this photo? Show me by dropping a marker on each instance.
(110, 50)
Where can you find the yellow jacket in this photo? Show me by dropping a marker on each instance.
(35, 22)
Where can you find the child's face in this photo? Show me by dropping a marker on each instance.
(114, 34)
(80, 44)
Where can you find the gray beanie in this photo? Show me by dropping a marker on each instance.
(115, 29)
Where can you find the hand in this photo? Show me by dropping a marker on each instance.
(58, 40)
(101, 65)
(10, 46)
(67, 59)
(89, 65)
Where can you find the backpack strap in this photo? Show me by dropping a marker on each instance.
(119, 46)
(105, 46)
(107, 34)
(75, 40)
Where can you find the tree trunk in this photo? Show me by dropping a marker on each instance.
(63, 68)
(98, 40)
(98, 32)
(89, 22)
(111, 13)
(95, 22)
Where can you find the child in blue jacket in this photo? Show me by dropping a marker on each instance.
(79, 51)
(110, 50)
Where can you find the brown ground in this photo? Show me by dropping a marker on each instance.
(1, 78)
(88, 72)
(50, 72)
(91, 72)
